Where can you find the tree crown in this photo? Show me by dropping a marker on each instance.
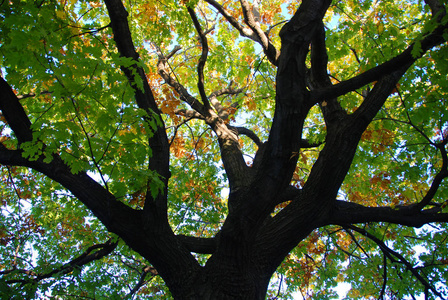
(147, 144)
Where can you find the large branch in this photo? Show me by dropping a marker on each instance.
(202, 59)
(292, 105)
(251, 20)
(437, 181)
(142, 281)
(232, 157)
(315, 205)
(319, 77)
(247, 132)
(116, 216)
(96, 199)
(158, 142)
(160, 245)
(331, 167)
(14, 113)
(163, 70)
(222, 111)
(351, 213)
(406, 58)
(92, 253)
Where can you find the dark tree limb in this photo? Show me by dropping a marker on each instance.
(244, 31)
(142, 280)
(292, 102)
(247, 132)
(172, 52)
(350, 213)
(306, 144)
(132, 225)
(118, 217)
(30, 95)
(437, 181)
(158, 142)
(328, 171)
(14, 113)
(88, 256)
(96, 199)
(85, 258)
(202, 59)
(276, 162)
(406, 58)
(319, 78)
(249, 224)
(327, 175)
(384, 285)
(354, 239)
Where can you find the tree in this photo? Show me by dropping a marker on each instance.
(211, 147)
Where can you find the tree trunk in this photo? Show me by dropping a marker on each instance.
(229, 281)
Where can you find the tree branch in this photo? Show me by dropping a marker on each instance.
(232, 157)
(271, 52)
(118, 217)
(156, 230)
(255, 33)
(319, 77)
(275, 162)
(246, 32)
(29, 95)
(440, 176)
(162, 67)
(384, 285)
(391, 254)
(189, 114)
(142, 281)
(85, 258)
(350, 213)
(247, 132)
(14, 113)
(158, 142)
(56, 169)
(406, 58)
(220, 109)
(202, 59)
(77, 263)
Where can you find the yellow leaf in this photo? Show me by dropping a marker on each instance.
(380, 28)
(60, 14)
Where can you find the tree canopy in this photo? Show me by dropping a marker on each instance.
(215, 149)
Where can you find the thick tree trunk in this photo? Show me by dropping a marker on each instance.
(222, 280)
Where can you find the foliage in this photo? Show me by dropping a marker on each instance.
(82, 93)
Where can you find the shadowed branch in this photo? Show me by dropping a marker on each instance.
(95, 252)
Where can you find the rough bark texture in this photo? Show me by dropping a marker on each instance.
(251, 243)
